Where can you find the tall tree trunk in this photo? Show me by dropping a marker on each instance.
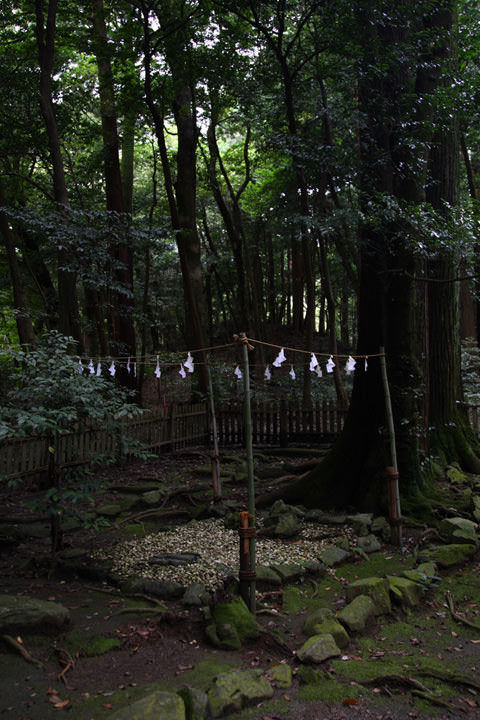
(21, 305)
(123, 341)
(69, 319)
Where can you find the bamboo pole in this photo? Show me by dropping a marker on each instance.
(250, 472)
(392, 471)
(217, 485)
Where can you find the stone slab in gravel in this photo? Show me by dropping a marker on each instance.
(20, 614)
(157, 706)
(289, 573)
(357, 613)
(266, 576)
(236, 689)
(374, 587)
(318, 648)
(369, 543)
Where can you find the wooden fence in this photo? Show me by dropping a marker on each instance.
(181, 426)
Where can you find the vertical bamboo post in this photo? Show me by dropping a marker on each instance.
(392, 471)
(251, 479)
(217, 485)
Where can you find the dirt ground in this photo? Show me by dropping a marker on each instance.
(114, 652)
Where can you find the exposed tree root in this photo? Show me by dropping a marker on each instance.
(23, 651)
(456, 616)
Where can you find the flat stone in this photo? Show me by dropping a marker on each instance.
(459, 530)
(234, 690)
(289, 573)
(174, 559)
(157, 706)
(361, 523)
(330, 626)
(369, 543)
(164, 589)
(110, 510)
(357, 613)
(21, 614)
(317, 649)
(267, 577)
(152, 497)
(332, 555)
(374, 587)
(405, 591)
(281, 675)
(196, 595)
(448, 555)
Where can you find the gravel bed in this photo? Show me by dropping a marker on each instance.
(218, 548)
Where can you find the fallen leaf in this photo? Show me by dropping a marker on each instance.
(351, 701)
(54, 699)
(62, 704)
(469, 702)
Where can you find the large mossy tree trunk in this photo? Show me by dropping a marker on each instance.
(451, 437)
(391, 180)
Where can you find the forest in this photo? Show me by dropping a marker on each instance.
(173, 172)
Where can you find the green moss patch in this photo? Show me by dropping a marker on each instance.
(202, 674)
(90, 645)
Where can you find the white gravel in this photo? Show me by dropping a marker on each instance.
(218, 549)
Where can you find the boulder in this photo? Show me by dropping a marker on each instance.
(232, 624)
(196, 595)
(447, 555)
(376, 588)
(234, 690)
(196, 703)
(332, 555)
(404, 591)
(164, 589)
(152, 497)
(369, 543)
(459, 530)
(424, 574)
(317, 649)
(285, 525)
(267, 577)
(281, 675)
(357, 613)
(21, 614)
(476, 507)
(315, 618)
(380, 526)
(164, 705)
(361, 523)
(328, 626)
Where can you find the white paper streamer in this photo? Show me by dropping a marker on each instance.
(158, 372)
(182, 372)
(189, 363)
(350, 366)
(313, 362)
(279, 359)
(91, 368)
(111, 369)
(99, 369)
(268, 374)
(238, 373)
(318, 370)
(366, 364)
(330, 365)
(292, 373)
(80, 367)
(134, 369)
(128, 366)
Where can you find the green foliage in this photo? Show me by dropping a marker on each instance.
(47, 395)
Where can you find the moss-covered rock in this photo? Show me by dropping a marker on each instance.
(281, 675)
(424, 574)
(318, 616)
(289, 572)
(448, 555)
(233, 624)
(376, 588)
(317, 649)
(459, 530)
(333, 555)
(357, 613)
(21, 614)
(369, 543)
(323, 622)
(164, 705)
(267, 577)
(236, 689)
(90, 644)
(404, 591)
(196, 703)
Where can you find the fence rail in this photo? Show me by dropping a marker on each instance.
(181, 426)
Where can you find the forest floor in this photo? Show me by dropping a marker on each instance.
(412, 663)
